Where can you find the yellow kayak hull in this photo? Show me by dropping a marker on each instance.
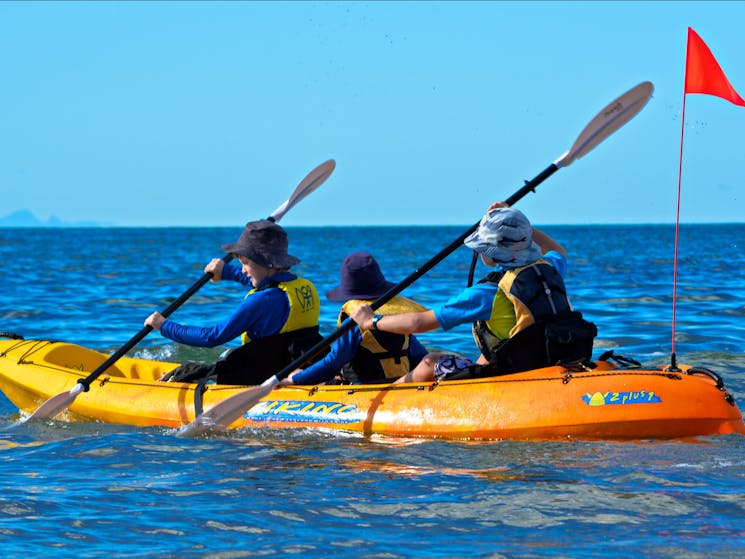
(607, 402)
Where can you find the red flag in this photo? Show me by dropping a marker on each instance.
(703, 73)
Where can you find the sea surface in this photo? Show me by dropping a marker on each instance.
(94, 490)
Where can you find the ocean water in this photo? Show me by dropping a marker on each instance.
(93, 490)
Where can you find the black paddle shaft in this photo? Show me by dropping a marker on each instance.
(114, 357)
(348, 324)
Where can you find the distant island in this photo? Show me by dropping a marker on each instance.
(26, 218)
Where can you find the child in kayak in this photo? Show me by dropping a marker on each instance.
(364, 356)
(277, 320)
(521, 315)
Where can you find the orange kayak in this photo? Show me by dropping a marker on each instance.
(612, 400)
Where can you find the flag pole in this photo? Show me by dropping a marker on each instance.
(673, 364)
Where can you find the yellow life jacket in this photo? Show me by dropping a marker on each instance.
(525, 294)
(382, 355)
(304, 305)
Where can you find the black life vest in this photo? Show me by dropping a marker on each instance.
(536, 292)
(546, 330)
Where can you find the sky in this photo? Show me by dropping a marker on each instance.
(210, 113)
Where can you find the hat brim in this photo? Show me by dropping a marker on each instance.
(508, 258)
(340, 294)
(268, 261)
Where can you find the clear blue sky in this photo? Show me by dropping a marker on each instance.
(210, 113)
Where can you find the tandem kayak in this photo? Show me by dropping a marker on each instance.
(616, 398)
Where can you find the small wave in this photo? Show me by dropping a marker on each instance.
(16, 314)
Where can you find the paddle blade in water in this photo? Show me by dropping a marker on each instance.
(610, 119)
(222, 415)
(55, 405)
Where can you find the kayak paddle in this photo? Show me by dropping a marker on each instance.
(610, 119)
(56, 404)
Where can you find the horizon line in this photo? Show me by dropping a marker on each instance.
(339, 225)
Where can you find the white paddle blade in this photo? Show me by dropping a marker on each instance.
(222, 415)
(610, 119)
(312, 180)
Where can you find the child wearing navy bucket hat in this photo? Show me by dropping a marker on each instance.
(521, 315)
(364, 355)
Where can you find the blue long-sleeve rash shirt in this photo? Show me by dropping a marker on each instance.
(260, 315)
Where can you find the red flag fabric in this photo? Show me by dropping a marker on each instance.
(703, 73)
